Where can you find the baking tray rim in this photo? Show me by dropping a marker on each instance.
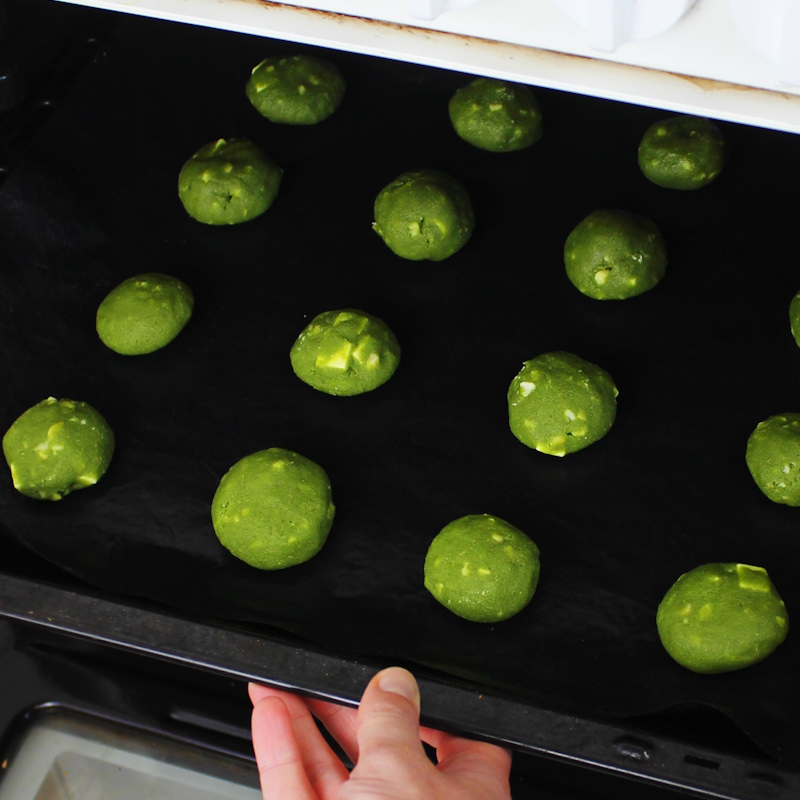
(213, 646)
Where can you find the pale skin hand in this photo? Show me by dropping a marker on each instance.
(383, 738)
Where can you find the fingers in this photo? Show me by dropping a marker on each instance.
(390, 749)
(383, 737)
(294, 703)
(280, 762)
(340, 722)
(483, 766)
(290, 750)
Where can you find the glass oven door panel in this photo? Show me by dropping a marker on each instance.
(65, 755)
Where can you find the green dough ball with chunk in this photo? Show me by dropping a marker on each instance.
(559, 403)
(56, 447)
(682, 152)
(424, 214)
(614, 255)
(794, 318)
(773, 458)
(721, 617)
(496, 115)
(273, 509)
(345, 352)
(144, 313)
(295, 90)
(228, 182)
(482, 568)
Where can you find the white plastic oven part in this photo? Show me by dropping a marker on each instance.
(607, 23)
(430, 9)
(735, 60)
(772, 27)
(610, 23)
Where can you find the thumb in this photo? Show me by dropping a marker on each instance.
(388, 735)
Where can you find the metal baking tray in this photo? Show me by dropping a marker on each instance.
(579, 675)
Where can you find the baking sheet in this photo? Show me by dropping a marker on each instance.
(699, 361)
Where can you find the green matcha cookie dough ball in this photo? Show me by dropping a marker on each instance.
(424, 214)
(613, 255)
(144, 313)
(682, 152)
(794, 318)
(228, 182)
(57, 446)
(345, 352)
(295, 90)
(496, 115)
(559, 403)
(721, 617)
(773, 458)
(482, 568)
(273, 509)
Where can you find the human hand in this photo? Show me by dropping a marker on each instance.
(383, 738)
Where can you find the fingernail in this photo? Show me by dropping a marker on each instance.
(399, 681)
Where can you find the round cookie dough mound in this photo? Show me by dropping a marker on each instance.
(559, 403)
(295, 90)
(613, 255)
(345, 352)
(496, 115)
(773, 458)
(424, 214)
(273, 509)
(228, 182)
(794, 318)
(721, 617)
(144, 313)
(682, 152)
(56, 447)
(482, 568)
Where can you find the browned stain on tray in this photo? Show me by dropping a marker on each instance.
(510, 51)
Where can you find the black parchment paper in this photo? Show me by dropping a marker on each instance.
(699, 361)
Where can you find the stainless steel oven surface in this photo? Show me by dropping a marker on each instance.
(94, 134)
(84, 721)
(64, 754)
